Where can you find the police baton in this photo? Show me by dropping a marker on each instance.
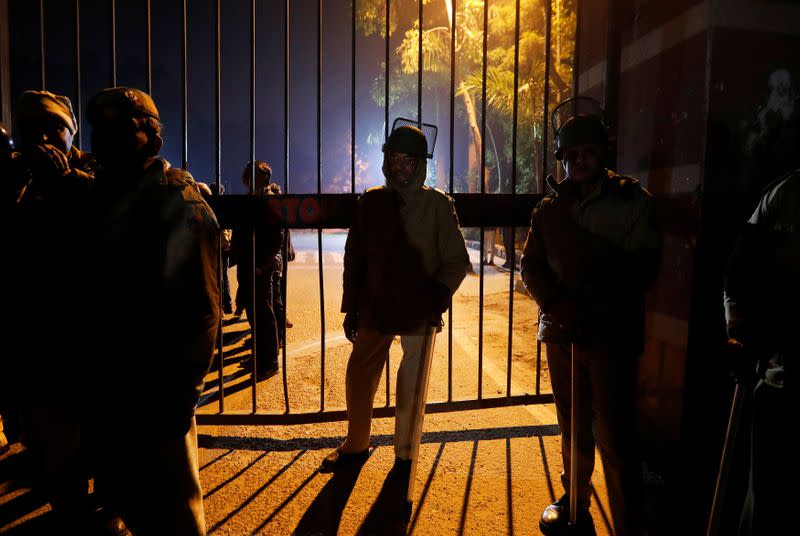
(740, 396)
(573, 445)
(725, 462)
(420, 396)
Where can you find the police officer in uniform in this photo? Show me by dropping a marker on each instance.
(592, 251)
(154, 319)
(53, 180)
(404, 258)
(762, 290)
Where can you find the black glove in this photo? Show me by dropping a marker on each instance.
(742, 363)
(567, 314)
(350, 326)
(439, 298)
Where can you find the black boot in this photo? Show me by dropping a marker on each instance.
(555, 519)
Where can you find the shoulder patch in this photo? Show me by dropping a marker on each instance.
(179, 177)
(779, 181)
(374, 189)
(626, 186)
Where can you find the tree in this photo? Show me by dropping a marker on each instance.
(436, 35)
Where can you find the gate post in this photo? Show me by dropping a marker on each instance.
(5, 67)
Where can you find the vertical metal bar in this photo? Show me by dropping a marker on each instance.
(78, 98)
(285, 274)
(419, 65)
(611, 85)
(41, 44)
(353, 101)
(546, 105)
(218, 182)
(452, 146)
(483, 192)
(512, 256)
(319, 190)
(253, 295)
(114, 43)
(538, 366)
(576, 52)
(185, 78)
(5, 75)
(386, 137)
(545, 127)
(286, 72)
(149, 51)
(386, 77)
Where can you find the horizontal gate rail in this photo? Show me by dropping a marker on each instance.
(230, 418)
(335, 211)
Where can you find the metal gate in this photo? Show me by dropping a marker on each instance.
(333, 211)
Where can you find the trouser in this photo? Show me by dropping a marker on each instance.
(51, 420)
(606, 382)
(508, 246)
(277, 303)
(766, 509)
(369, 356)
(154, 485)
(266, 329)
(227, 301)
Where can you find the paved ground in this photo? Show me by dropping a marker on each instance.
(487, 469)
(483, 471)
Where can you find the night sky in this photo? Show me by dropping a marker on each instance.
(96, 73)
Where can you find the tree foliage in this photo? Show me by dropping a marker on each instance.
(469, 81)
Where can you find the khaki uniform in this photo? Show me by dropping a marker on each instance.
(597, 255)
(399, 247)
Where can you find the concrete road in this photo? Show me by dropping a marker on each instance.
(484, 471)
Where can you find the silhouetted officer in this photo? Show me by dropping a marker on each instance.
(404, 258)
(54, 182)
(155, 315)
(762, 290)
(591, 252)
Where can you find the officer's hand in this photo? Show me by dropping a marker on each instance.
(562, 207)
(566, 314)
(439, 298)
(742, 363)
(48, 159)
(350, 326)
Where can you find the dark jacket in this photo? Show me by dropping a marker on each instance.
(155, 300)
(762, 285)
(598, 255)
(269, 241)
(47, 222)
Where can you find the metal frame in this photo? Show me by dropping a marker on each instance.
(321, 211)
(5, 70)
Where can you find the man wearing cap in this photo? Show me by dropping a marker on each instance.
(53, 180)
(761, 296)
(44, 128)
(154, 319)
(404, 258)
(591, 253)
